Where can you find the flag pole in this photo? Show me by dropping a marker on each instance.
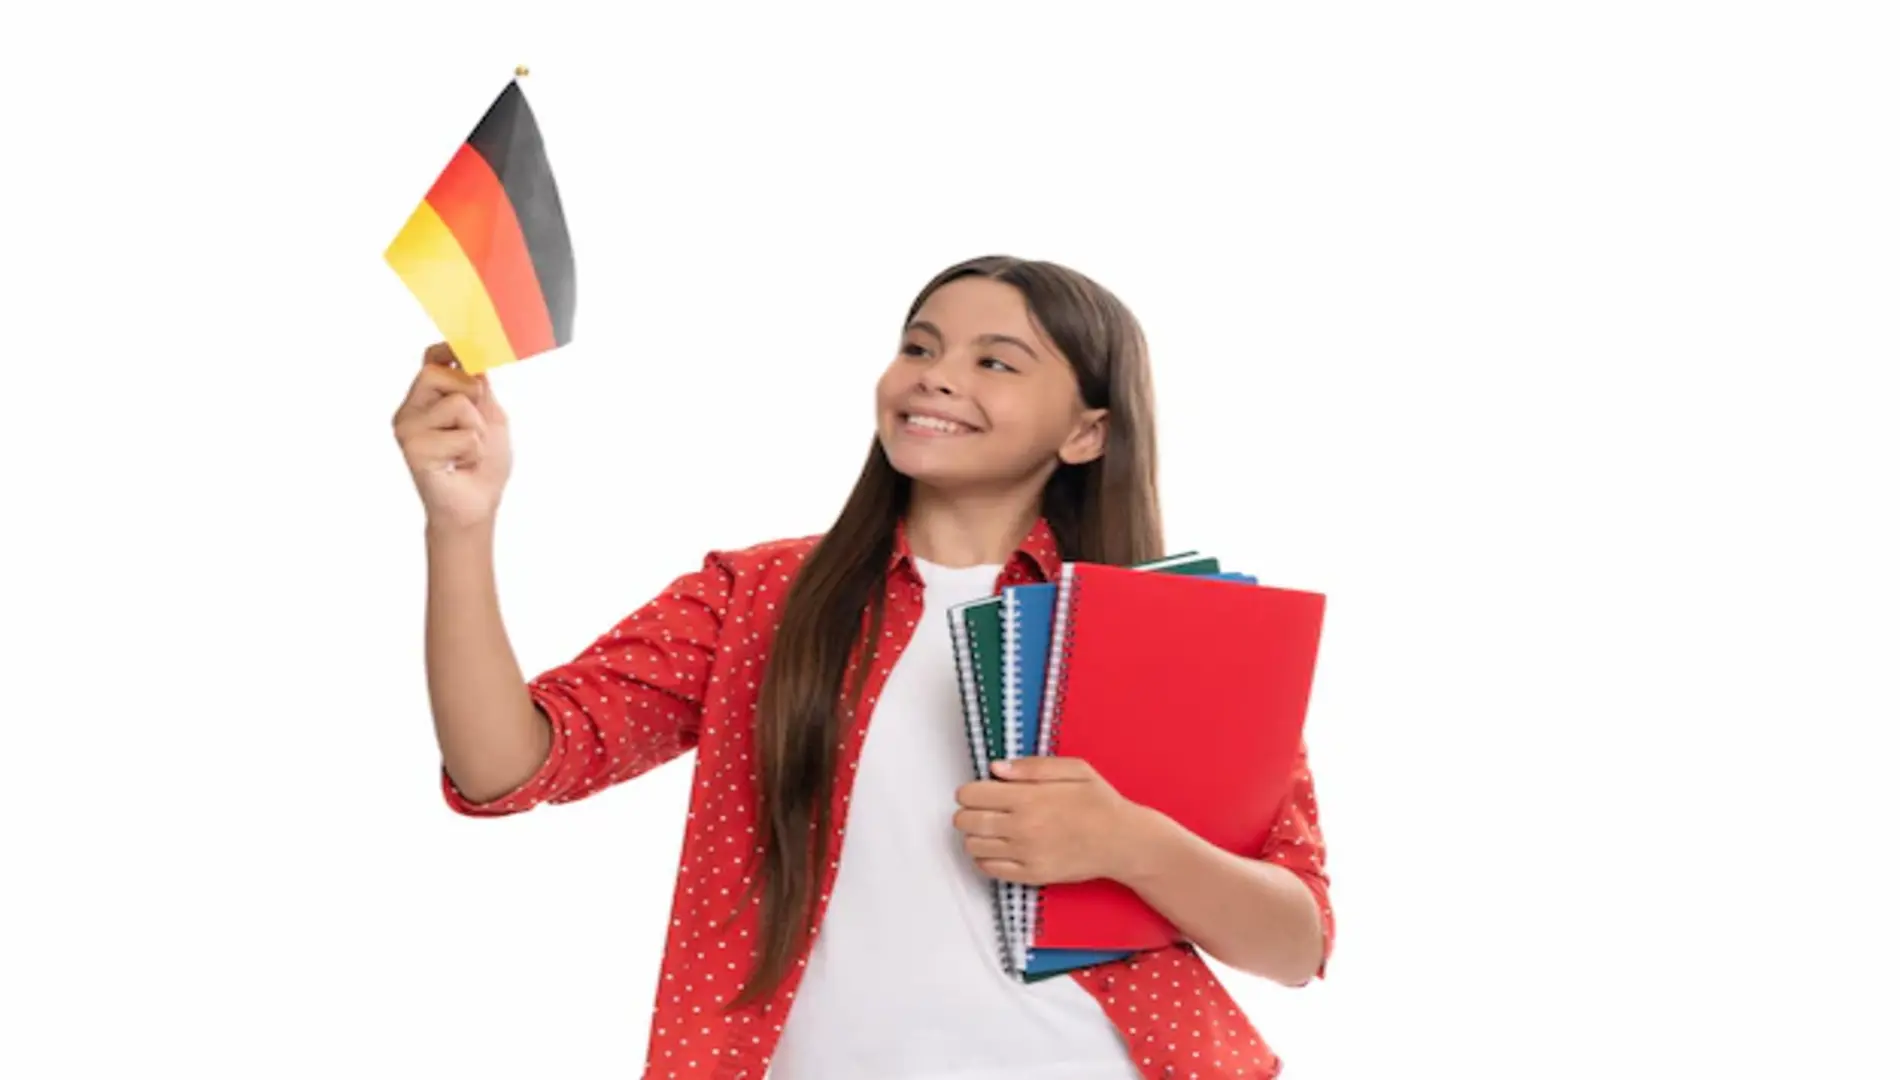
(521, 70)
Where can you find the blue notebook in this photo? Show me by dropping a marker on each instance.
(1028, 617)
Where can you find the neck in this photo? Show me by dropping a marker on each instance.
(967, 530)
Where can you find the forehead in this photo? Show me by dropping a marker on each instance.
(970, 306)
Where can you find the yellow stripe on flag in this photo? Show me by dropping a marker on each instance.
(427, 257)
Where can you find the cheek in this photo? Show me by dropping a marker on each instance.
(1032, 424)
(891, 386)
(881, 394)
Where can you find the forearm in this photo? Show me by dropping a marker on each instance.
(1248, 914)
(491, 735)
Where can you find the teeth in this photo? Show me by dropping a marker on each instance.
(934, 424)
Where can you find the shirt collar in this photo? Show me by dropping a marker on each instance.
(1036, 555)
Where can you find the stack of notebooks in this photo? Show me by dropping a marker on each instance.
(1183, 685)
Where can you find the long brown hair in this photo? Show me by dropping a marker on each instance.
(1105, 511)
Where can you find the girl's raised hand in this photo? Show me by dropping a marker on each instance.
(454, 437)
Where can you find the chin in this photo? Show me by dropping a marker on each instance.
(909, 463)
(921, 466)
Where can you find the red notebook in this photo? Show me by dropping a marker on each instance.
(1189, 695)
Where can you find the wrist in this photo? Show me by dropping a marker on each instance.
(458, 550)
(446, 534)
(1150, 840)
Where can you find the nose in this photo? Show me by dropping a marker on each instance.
(937, 378)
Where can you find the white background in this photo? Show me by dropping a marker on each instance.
(1558, 348)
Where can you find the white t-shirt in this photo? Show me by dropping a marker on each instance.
(905, 980)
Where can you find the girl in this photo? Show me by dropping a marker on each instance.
(814, 678)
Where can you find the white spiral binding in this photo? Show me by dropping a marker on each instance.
(965, 653)
(1012, 674)
(1061, 640)
(1059, 647)
(1060, 635)
(966, 678)
(1012, 898)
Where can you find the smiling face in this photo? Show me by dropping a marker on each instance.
(979, 398)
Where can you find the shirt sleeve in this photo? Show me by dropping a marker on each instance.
(1297, 844)
(629, 703)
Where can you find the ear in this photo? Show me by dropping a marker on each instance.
(1089, 439)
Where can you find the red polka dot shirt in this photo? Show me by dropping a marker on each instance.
(682, 673)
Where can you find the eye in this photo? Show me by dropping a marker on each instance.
(911, 348)
(993, 360)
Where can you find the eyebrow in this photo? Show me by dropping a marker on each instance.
(982, 339)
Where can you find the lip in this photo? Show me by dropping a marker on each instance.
(933, 414)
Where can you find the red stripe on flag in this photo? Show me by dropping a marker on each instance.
(469, 198)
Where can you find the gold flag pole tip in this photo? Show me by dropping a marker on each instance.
(521, 69)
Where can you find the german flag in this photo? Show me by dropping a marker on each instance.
(487, 252)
